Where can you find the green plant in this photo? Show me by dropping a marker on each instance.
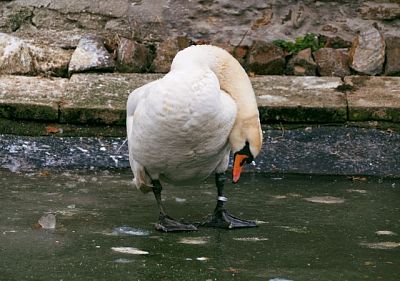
(310, 40)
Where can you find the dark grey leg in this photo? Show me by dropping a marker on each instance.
(221, 218)
(166, 223)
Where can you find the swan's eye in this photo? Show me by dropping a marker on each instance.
(249, 159)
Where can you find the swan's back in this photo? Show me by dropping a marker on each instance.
(180, 123)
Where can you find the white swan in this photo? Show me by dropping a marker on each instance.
(181, 128)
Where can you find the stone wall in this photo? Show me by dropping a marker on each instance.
(59, 38)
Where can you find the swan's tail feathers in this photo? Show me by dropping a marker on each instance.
(141, 179)
(143, 187)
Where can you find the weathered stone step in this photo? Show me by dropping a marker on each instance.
(101, 98)
(300, 99)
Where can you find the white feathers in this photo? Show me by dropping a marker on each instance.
(178, 127)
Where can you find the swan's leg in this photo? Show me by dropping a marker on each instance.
(221, 217)
(166, 223)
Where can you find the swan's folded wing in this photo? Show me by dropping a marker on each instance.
(134, 99)
(141, 180)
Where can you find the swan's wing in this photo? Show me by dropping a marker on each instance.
(141, 179)
(134, 99)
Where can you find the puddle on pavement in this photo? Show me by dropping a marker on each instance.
(348, 230)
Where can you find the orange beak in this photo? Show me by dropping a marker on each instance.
(238, 163)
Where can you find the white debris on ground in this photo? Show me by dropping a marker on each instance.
(180, 200)
(251, 239)
(123, 261)
(14, 166)
(194, 240)
(293, 229)
(9, 231)
(325, 200)
(361, 191)
(116, 159)
(48, 221)
(381, 245)
(278, 197)
(260, 222)
(385, 232)
(127, 230)
(82, 149)
(129, 250)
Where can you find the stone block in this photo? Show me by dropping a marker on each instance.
(367, 53)
(132, 56)
(20, 57)
(15, 18)
(374, 98)
(392, 65)
(380, 11)
(115, 8)
(300, 99)
(99, 98)
(90, 55)
(30, 98)
(336, 42)
(266, 58)
(166, 52)
(302, 64)
(332, 62)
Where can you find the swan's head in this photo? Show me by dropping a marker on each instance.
(246, 142)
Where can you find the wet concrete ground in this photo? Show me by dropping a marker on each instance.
(310, 228)
(309, 150)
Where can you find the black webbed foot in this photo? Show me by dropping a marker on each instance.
(168, 224)
(223, 219)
